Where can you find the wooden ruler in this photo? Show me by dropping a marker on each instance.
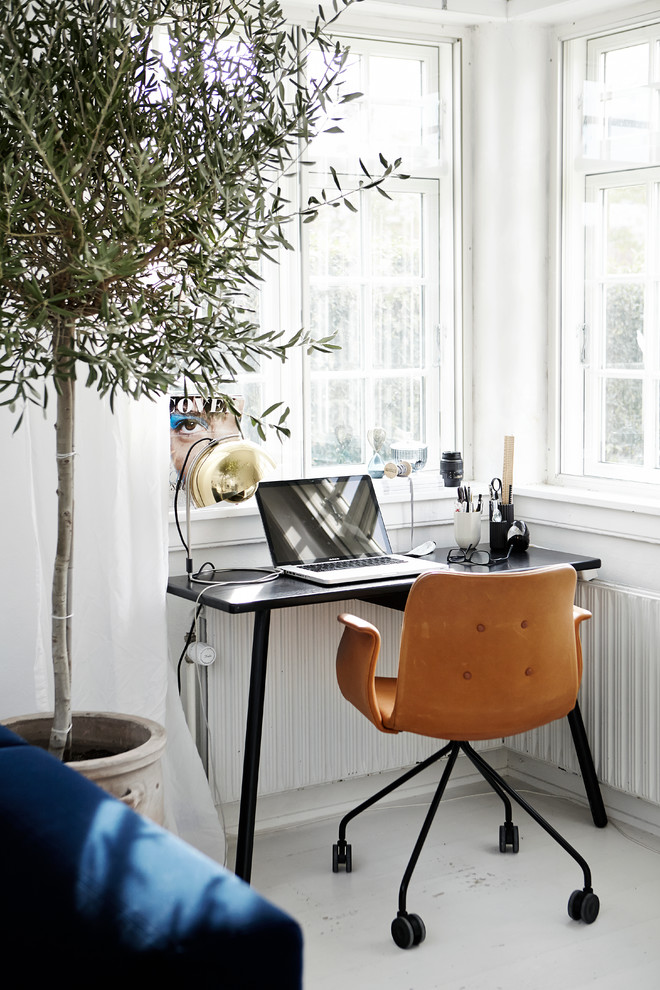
(507, 471)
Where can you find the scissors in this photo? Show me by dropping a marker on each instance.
(496, 498)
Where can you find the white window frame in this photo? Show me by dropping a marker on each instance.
(580, 378)
(290, 381)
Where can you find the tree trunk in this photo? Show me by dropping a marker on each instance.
(61, 591)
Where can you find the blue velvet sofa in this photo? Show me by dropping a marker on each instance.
(86, 882)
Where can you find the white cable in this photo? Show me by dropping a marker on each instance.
(211, 766)
(209, 749)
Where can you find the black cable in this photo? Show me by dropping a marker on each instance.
(257, 575)
(179, 486)
(189, 637)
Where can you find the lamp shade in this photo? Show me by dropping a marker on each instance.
(227, 470)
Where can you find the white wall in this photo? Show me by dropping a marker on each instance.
(511, 112)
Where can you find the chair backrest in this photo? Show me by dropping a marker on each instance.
(487, 655)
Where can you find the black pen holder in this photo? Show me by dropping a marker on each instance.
(500, 530)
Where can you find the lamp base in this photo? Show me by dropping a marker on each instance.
(234, 575)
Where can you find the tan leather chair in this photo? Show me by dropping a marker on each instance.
(482, 656)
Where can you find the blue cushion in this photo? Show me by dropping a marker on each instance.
(84, 878)
(9, 738)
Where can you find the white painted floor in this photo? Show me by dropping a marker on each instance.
(494, 921)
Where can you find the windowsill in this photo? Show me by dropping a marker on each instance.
(596, 498)
(605, 512)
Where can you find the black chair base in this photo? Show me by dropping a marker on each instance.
(408, 929)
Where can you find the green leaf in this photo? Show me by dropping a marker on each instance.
(142, 192)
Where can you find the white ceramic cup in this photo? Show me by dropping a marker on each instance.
(467, 529)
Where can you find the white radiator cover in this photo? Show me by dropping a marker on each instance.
(311, 735)
(620, 693)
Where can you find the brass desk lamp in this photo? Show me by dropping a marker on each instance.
(224, 470)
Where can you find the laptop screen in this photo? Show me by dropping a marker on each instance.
(321, 519)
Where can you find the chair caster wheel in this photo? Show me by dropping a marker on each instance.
(583, 905)
(509, 836)
(419, 928)
(408, 930)
(342, 855)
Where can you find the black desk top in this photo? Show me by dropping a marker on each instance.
(285, 592)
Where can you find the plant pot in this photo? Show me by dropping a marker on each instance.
(129, 748)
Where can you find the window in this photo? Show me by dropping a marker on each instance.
(611, 312)
(380, 276)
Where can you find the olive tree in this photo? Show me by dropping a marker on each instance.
(143, 150)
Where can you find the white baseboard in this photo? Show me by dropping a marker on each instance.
(332, 800)
(620, 806)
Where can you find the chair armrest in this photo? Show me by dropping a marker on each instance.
(579, 615)
(357, 656)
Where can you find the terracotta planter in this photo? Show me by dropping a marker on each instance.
(131, 770)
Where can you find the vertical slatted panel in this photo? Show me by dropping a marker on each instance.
(620, 693)
(311, 735)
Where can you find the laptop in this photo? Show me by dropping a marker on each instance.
(331, 531)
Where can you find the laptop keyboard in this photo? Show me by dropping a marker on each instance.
(340, 565)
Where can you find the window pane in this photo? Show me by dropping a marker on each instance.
(396, 115)
(620, 122)
(399, 402)
(393, 78)
(627, 105)
(628, 67)
(626, 220)
(335, 146)
(254, 405)
(334, 243)
(401, 98)
(337, 310)
(394, 128)
(337, 426)
(397, 323)
(396, 228)
(624, 436)
(624, 326)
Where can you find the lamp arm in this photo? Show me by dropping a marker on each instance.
(189, 562)
(210, 443)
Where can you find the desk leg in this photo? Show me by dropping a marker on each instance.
(252, 753)
(586, 762)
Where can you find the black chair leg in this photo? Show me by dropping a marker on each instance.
(408, 929)
(583, 904)
(342, 854)
(509, 834)
(428, 821)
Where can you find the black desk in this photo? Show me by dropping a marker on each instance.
(287, 592)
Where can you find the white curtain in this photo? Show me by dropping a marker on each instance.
(120, 653)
